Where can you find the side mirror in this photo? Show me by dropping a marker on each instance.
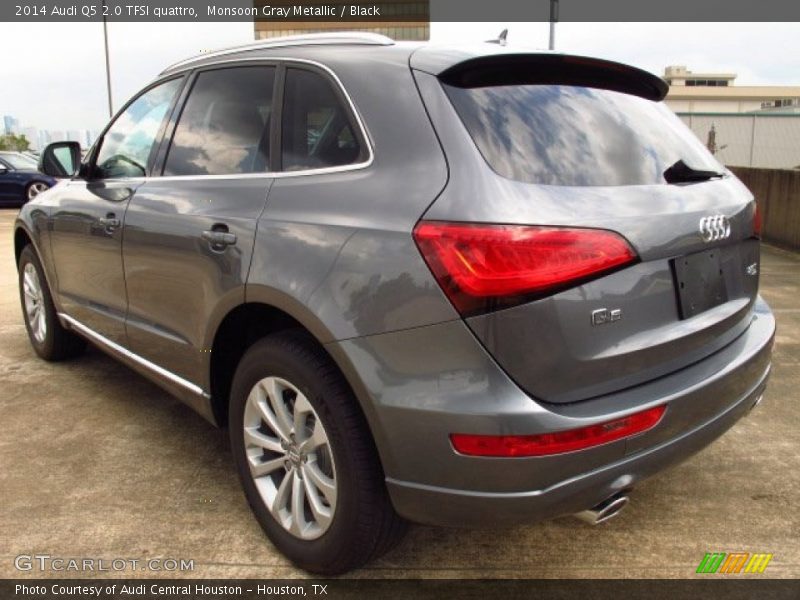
(60, 159)
(3, 169)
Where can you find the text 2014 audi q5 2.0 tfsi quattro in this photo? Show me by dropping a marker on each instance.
(456, 285)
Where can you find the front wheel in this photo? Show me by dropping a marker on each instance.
(49, 339)
(306, 458)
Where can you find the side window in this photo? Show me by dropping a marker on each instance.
(128, 143)
(224, 126)
(317, 130)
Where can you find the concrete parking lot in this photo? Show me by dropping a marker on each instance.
(97, 462)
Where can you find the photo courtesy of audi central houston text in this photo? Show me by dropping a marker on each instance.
(464, 285)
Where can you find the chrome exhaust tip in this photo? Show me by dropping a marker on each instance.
(607, 509)
(756, 403)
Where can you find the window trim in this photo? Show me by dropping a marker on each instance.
(88, 169)
(344, 101)
(281, 64)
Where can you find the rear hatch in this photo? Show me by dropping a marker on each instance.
(573, 169)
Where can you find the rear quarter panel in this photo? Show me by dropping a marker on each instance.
(337, 247)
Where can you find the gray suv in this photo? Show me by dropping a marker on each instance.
(455, 285)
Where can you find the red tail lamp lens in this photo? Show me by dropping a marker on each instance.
(757, 221)
(477, 265)
(557, 443)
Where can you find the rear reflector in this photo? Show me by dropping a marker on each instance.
(557, 443)
(482, 267)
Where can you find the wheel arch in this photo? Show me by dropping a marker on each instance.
(264, 312)
(22, 238)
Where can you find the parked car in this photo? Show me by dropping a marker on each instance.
(480, 286)
(20, 179)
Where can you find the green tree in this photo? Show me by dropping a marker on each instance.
(12, 141)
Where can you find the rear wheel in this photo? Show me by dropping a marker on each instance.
(306, 458)
(49, 339)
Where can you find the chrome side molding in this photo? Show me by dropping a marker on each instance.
(117, 349)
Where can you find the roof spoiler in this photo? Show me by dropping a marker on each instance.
(554, 69)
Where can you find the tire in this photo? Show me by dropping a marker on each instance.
(49, 339)
(35, 188)
(351, 526)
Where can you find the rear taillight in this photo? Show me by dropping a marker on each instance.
(557, 443)
(756, 221)
(482, 267)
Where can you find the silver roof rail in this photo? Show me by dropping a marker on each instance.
(309, 39)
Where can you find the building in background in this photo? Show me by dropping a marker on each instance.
(691, 92)
(405, 20)
(10, 124)
(32, 135)
(743, 125)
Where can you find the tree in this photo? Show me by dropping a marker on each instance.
(14, 142)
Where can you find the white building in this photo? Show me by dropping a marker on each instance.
(691, 92)
(744, 125)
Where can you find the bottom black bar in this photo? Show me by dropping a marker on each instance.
(732, 587)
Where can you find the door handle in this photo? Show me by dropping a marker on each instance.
(109, 222)
(219, 238)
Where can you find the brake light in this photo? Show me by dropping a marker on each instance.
(756, 221)
(482, 267)
(557, 443)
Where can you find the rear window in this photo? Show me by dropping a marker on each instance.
(576, 136)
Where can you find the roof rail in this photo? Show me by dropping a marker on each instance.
(309, 39)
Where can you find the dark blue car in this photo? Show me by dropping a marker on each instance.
(20, 179)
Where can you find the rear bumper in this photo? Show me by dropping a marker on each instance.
(451, 385)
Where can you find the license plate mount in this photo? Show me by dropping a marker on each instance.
(699, 281)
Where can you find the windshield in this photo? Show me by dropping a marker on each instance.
(19, 161)
(576, 136)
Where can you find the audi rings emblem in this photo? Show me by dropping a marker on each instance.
(715, 228)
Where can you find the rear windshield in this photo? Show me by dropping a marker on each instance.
(577, 136)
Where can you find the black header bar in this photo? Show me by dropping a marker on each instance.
(387, 11)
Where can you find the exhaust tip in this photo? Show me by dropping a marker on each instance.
(756, 403)
(606, 510)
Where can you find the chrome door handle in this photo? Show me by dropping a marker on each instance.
(219, 239)
(109, 222)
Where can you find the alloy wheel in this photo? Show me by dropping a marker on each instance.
(34, 303)
(36, 188)
(290, 459)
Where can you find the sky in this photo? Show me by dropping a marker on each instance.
(53, 74)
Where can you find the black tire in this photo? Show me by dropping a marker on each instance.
(58, 343)
(364, 524)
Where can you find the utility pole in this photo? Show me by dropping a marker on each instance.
(108, 65)
(553, 21)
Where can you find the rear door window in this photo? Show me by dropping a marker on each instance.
(225, 123)
(576, 136)
(317, 130)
